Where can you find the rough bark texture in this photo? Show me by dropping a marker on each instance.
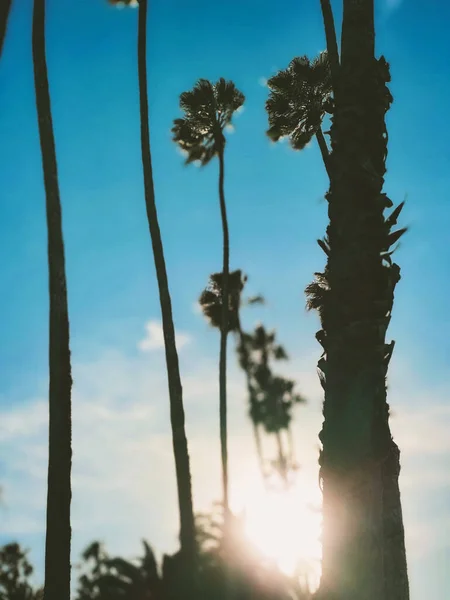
(5, 8)
(57, 547)
(363, 545)
(179, 440)
(223, 338)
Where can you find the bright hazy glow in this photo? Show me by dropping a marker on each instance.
(284, 525)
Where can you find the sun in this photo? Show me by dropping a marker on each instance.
(284, 525)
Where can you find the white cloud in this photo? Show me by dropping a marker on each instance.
(123, 469)
(154, 339)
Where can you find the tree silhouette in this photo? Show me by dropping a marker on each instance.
(363, 542)
(5, 9)
(208, 109)
(179, 440)
(57, 548)
(15, 572)
(271, 398)
(299, 98)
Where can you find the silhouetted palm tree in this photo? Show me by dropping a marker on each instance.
(299, 98)
(208, 110)
(363, 542)
(57, 549)
(5, 9)
(180, 447)
(273, 396)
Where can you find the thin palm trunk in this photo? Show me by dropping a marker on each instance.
(330, 35)
(363, 544)
(223, 339)
(57, 548)
(179, 440)
(323, 149)
(5, 9)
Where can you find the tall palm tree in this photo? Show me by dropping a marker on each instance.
(354, 297)
(363, 543)
(299, 98)
(179, 440)
(57, 548)
(5, 9)
(208, 109)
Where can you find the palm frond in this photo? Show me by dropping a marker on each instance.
(208, 108)
(211, 299)
(298, 99)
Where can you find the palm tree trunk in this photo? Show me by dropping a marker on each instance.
(179, 440)
(323, 149)
(5, 9)
(330, 35)
(223, 340)
(361, 502)
(57, 549)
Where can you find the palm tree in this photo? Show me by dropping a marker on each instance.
(354, 297)
(57, 549)
(208, 110)
(271, 398)
(5, 9)
(363, 542)
(299, 98)
(179, 440)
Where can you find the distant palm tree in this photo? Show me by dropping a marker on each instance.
(299, 98)
(208, 110)
(57, 550)
(180, 446)
(5, 8)
(271, 397)
(274, 396)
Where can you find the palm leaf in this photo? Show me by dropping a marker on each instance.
(298, 99)
(208, 108)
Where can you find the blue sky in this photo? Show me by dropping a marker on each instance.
(276, 213)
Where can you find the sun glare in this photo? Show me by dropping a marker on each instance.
(284, 525)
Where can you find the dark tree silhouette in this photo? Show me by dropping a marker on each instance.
(363, 541)
(57, 548)
(271, 398)
(180, 446)
(299, 98)
(5, 9)
(208, 108)
(15, 573)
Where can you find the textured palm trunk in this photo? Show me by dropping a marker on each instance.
(57, 547)
(5, 9)
(223, 338)
(363, 542)
(179, 440)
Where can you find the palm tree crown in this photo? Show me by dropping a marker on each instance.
(299, 97)
(208, 109)
(211, 299)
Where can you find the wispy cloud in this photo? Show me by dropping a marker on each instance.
(154, 339)
(123, 470)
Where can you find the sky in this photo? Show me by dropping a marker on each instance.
(123, 476)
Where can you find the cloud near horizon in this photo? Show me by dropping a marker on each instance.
(123, 473)
(154, 339)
